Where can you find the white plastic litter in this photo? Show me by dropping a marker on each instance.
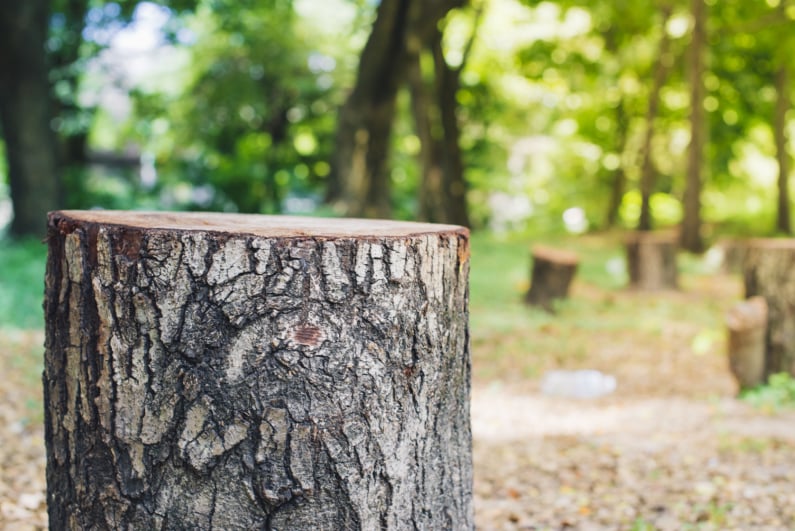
(582, 384)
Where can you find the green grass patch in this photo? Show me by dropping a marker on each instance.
(22, 265)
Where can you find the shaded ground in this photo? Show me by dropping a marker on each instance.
(670, 449)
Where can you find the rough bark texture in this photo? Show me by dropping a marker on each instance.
(253, 372)
(746, 324)
(26, 113)
(651, 260)
(770, 272)
(552, 273)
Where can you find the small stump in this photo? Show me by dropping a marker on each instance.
(746, 323)
(733, 251)
(215, 371)
(651, 260)
(551, 276)
(769, 271)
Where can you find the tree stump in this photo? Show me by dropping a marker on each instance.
(215, 371)
(551, 276)
(734, 251)
(769, 271)
(746, 323)
(651, 260)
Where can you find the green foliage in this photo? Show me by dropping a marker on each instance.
(779, 393)
(22, 265)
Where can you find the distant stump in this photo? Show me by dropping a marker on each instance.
(769, 272)
(551, 276)
(651, 260)
(746, 324)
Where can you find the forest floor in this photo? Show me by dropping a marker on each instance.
(670, 448)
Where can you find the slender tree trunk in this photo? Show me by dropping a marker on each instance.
(783, 224)
(619, 182)
(647, 176)
(431, 186)
(210, 371)
(447, 83)
(691, 222)
(26, 114)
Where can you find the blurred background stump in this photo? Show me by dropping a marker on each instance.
(214, 371)
(734, 251)
(746, 323)
(769, 272)
(551, 276)
(651, 260)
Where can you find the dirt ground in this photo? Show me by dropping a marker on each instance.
(669, 449)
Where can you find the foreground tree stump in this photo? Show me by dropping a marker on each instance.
(211, 371)
(551, 276)
(769, 271)
(651, 260)
(746, 323)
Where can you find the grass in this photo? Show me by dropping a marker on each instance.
(602, 325)
(22, 265)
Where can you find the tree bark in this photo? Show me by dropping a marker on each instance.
(651, 260)
(26, 113)
(647, 175)
(690, 237)
(210, 371)
(783, 224)
(769, 271)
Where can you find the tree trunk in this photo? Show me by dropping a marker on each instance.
(647, 175)
(619, 180)
(651, 260)
(746, 323)
(770, 272)
(430, 194)
(211, 371)
(690, 238)
(783, 224)
(553, 271)
(26, 113)
(448, 81)
(360, 180)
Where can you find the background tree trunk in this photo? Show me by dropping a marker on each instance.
(251, 372)
(26, 114)
(360, 178)
(359, 182)
(690, 238)
(783, 224)
(647, 172)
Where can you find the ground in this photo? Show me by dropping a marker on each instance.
(671, 448)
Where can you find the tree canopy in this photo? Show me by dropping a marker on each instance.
(506, 114)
